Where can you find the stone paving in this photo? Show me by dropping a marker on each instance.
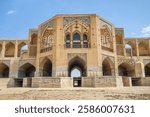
(134, 93)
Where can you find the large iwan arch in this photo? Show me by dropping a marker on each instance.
(79, 64)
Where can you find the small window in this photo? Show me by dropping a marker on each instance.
(76, 37)
(68, 37)
(85, 38)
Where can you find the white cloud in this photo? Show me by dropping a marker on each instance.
(146, 31)
(10, 12)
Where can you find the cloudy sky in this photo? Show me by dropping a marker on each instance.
(17, 16)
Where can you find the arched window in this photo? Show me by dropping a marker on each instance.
(85, 38)
(68, 37)
(76, 37)
(85, 41)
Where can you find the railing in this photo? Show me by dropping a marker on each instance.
(107, 49)
(77, 46)
(45, 49)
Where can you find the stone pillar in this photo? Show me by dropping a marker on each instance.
(137, 48)
(139, 69)
(16, 49)
(3, 49)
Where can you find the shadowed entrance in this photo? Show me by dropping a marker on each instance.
(4, 70)
(26, 70)
(78, 65)
(147, 70)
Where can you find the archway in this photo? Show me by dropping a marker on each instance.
(143, 48)
(26, 70)
(77, 63)
(10, 50)
(147, 70)
(126, 69)
(4, 71)
(107, 67)
(76, 72)
(47, 68)
(78, 67)
(22, 47)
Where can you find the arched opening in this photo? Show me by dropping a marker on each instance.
(143, 49)
(22, 48)
(147, 70)
(76, 72)
(68, 41)
(26, 70)
(128, 50)
(76, 37)
(126, 69)
(76, 40)
(10, 50)
(77, 63)
(47, 68)
(107, 67)
(85, 41)
(77, 69)
(4, 71)
(33, 39)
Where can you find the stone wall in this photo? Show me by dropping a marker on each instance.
(105, 82)
(145, 81)
(66, 82)
(27, 82)
(50, 82)
(4, 82)
(88, 82)
(127, 81)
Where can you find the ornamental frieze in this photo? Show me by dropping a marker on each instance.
(84, 19)
(124, 60)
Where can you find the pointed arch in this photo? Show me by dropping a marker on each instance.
(21, 48)
(143, 49)
(47, 39)
(77, 63)
(10, 50)
(26, 70)
(106, 38)
(33, 39)
(126, 69)
(4, 70)
(79, 23)
(46, 67)
(108, 67)
(76, 36)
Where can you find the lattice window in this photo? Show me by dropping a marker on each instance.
(106, 38)
(47, 40)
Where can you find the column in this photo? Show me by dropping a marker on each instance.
(3, 49)
(137, 48)
(16, 49)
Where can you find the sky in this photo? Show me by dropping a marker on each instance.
(17, 16)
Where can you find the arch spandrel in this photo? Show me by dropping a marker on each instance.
(30, 61)
(80, 55)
